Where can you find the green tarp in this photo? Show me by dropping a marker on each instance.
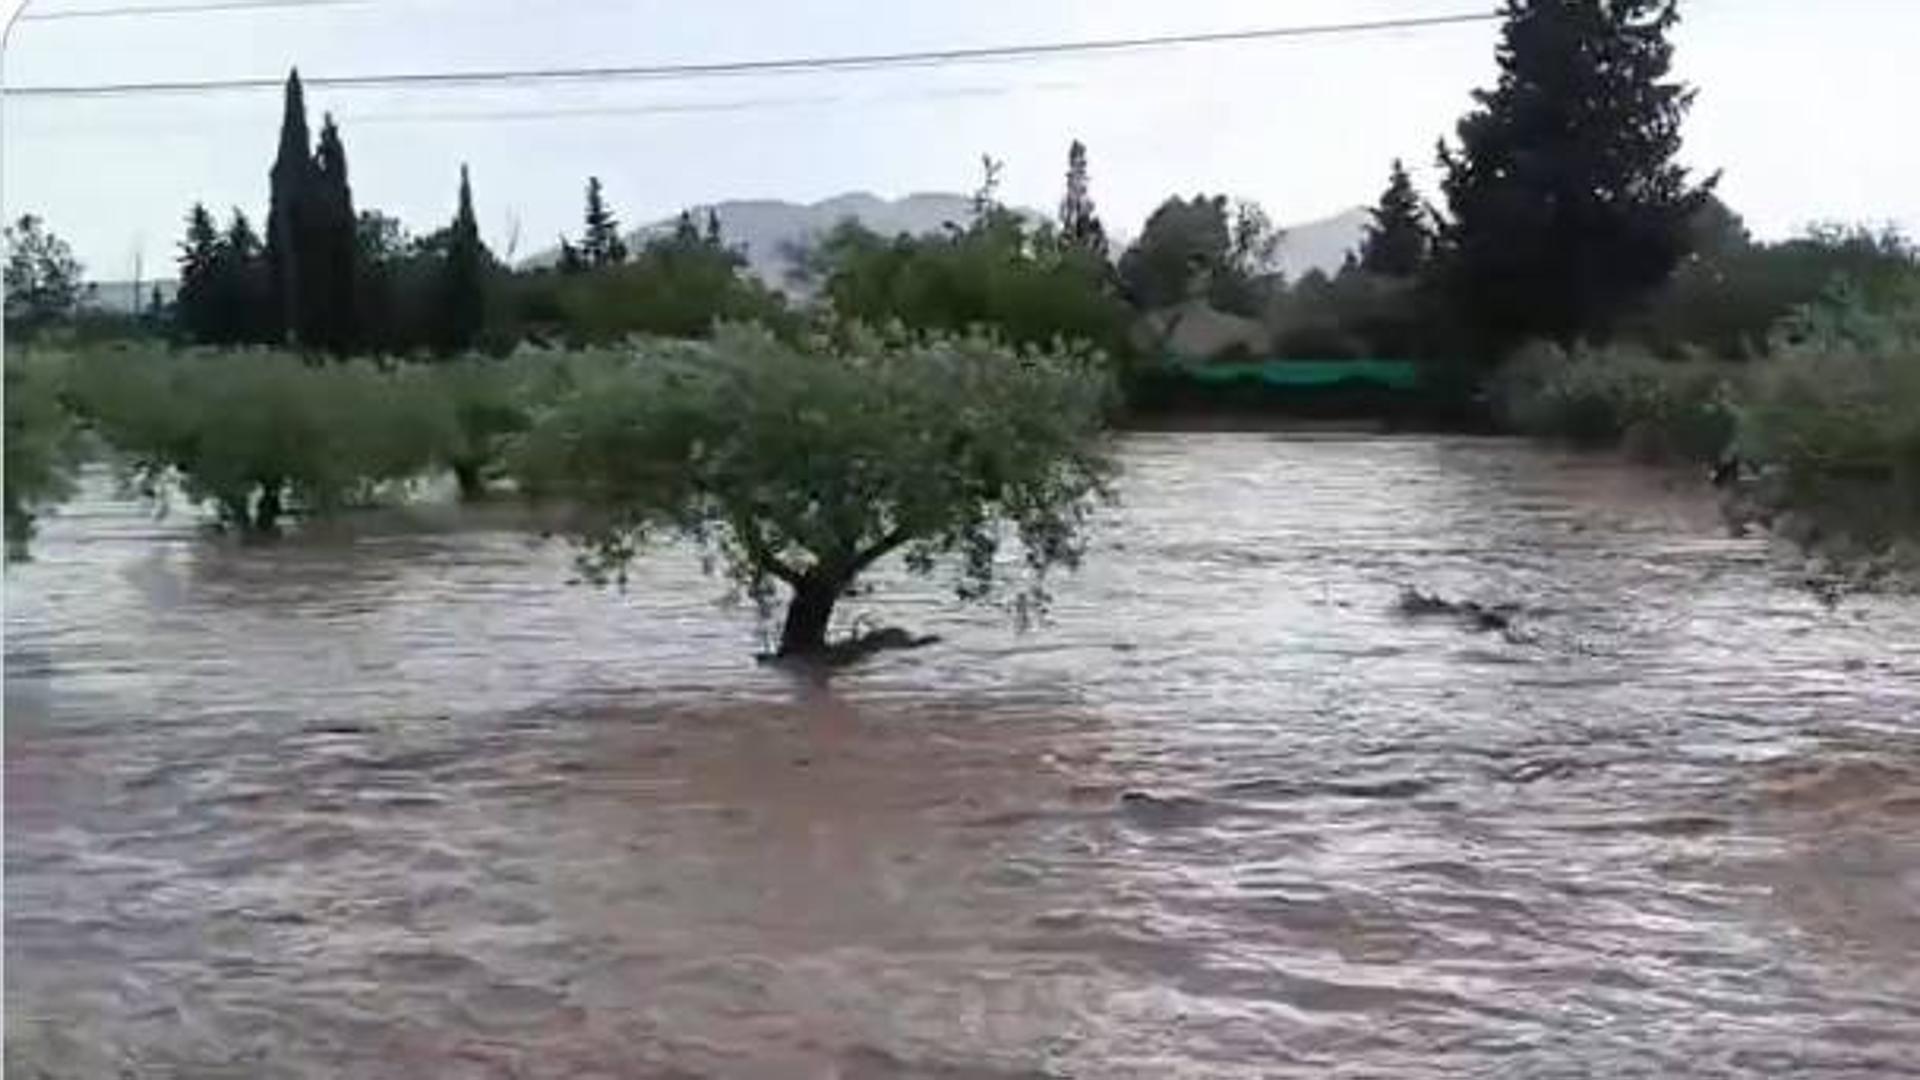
(1387, 374)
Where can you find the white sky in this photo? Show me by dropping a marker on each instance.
(1807, 106)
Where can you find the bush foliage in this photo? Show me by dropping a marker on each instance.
(41, 444)
(1593, 396)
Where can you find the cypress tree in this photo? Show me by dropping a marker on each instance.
(463, 278)
(1566, 206)
(330, 258)
(292, 182)
(1398, 241)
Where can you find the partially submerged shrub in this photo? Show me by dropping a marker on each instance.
(258, 433)
(1832, 420)
(41, 448)
(1620, 395)
(477, 405)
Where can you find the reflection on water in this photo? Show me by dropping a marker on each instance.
(395, 801)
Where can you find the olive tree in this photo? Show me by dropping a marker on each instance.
(260, 433)
(803, 466)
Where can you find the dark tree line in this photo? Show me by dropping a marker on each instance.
(325, 278)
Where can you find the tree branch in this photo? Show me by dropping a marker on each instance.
(893, 539)
(761, 552)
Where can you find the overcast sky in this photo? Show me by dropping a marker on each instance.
(1806, 106)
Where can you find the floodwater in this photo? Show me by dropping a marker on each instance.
(397, 801)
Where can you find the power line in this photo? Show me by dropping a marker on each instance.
(789, 66)
(38, 14)
(357, 119)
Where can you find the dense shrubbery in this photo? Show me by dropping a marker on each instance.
(1027, 284)
(678, 285)
(41, 449)
(1822, 431)
(1832, 417)
(1726, 299)
(1623, 395)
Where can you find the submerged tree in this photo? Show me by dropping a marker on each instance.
(1566, 206)
(1399, 240)
(804, 467)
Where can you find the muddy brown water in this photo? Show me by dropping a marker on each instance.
(396, 801)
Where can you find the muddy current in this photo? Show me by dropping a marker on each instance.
(393, 799)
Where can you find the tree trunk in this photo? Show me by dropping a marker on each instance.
(808, 613)
(266, 512)
(473, 483)
(236, 512)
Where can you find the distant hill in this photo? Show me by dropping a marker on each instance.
(770, 228)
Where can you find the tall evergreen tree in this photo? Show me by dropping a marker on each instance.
(197, 299)
(713, 229)
(292, 182)
(242, 285)
(1399, 240)
(329, 261)
(1566, 206)
(1079, 225)
(463, 280)
(601, 245)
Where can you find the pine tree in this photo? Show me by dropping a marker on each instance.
(601, 245)
(1566, 206)
(713, 230)
(288, 215)
(197, 298)
(329, 261)
(1079, 225)
(463, 281)
(242, 286)
(1399, 240)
